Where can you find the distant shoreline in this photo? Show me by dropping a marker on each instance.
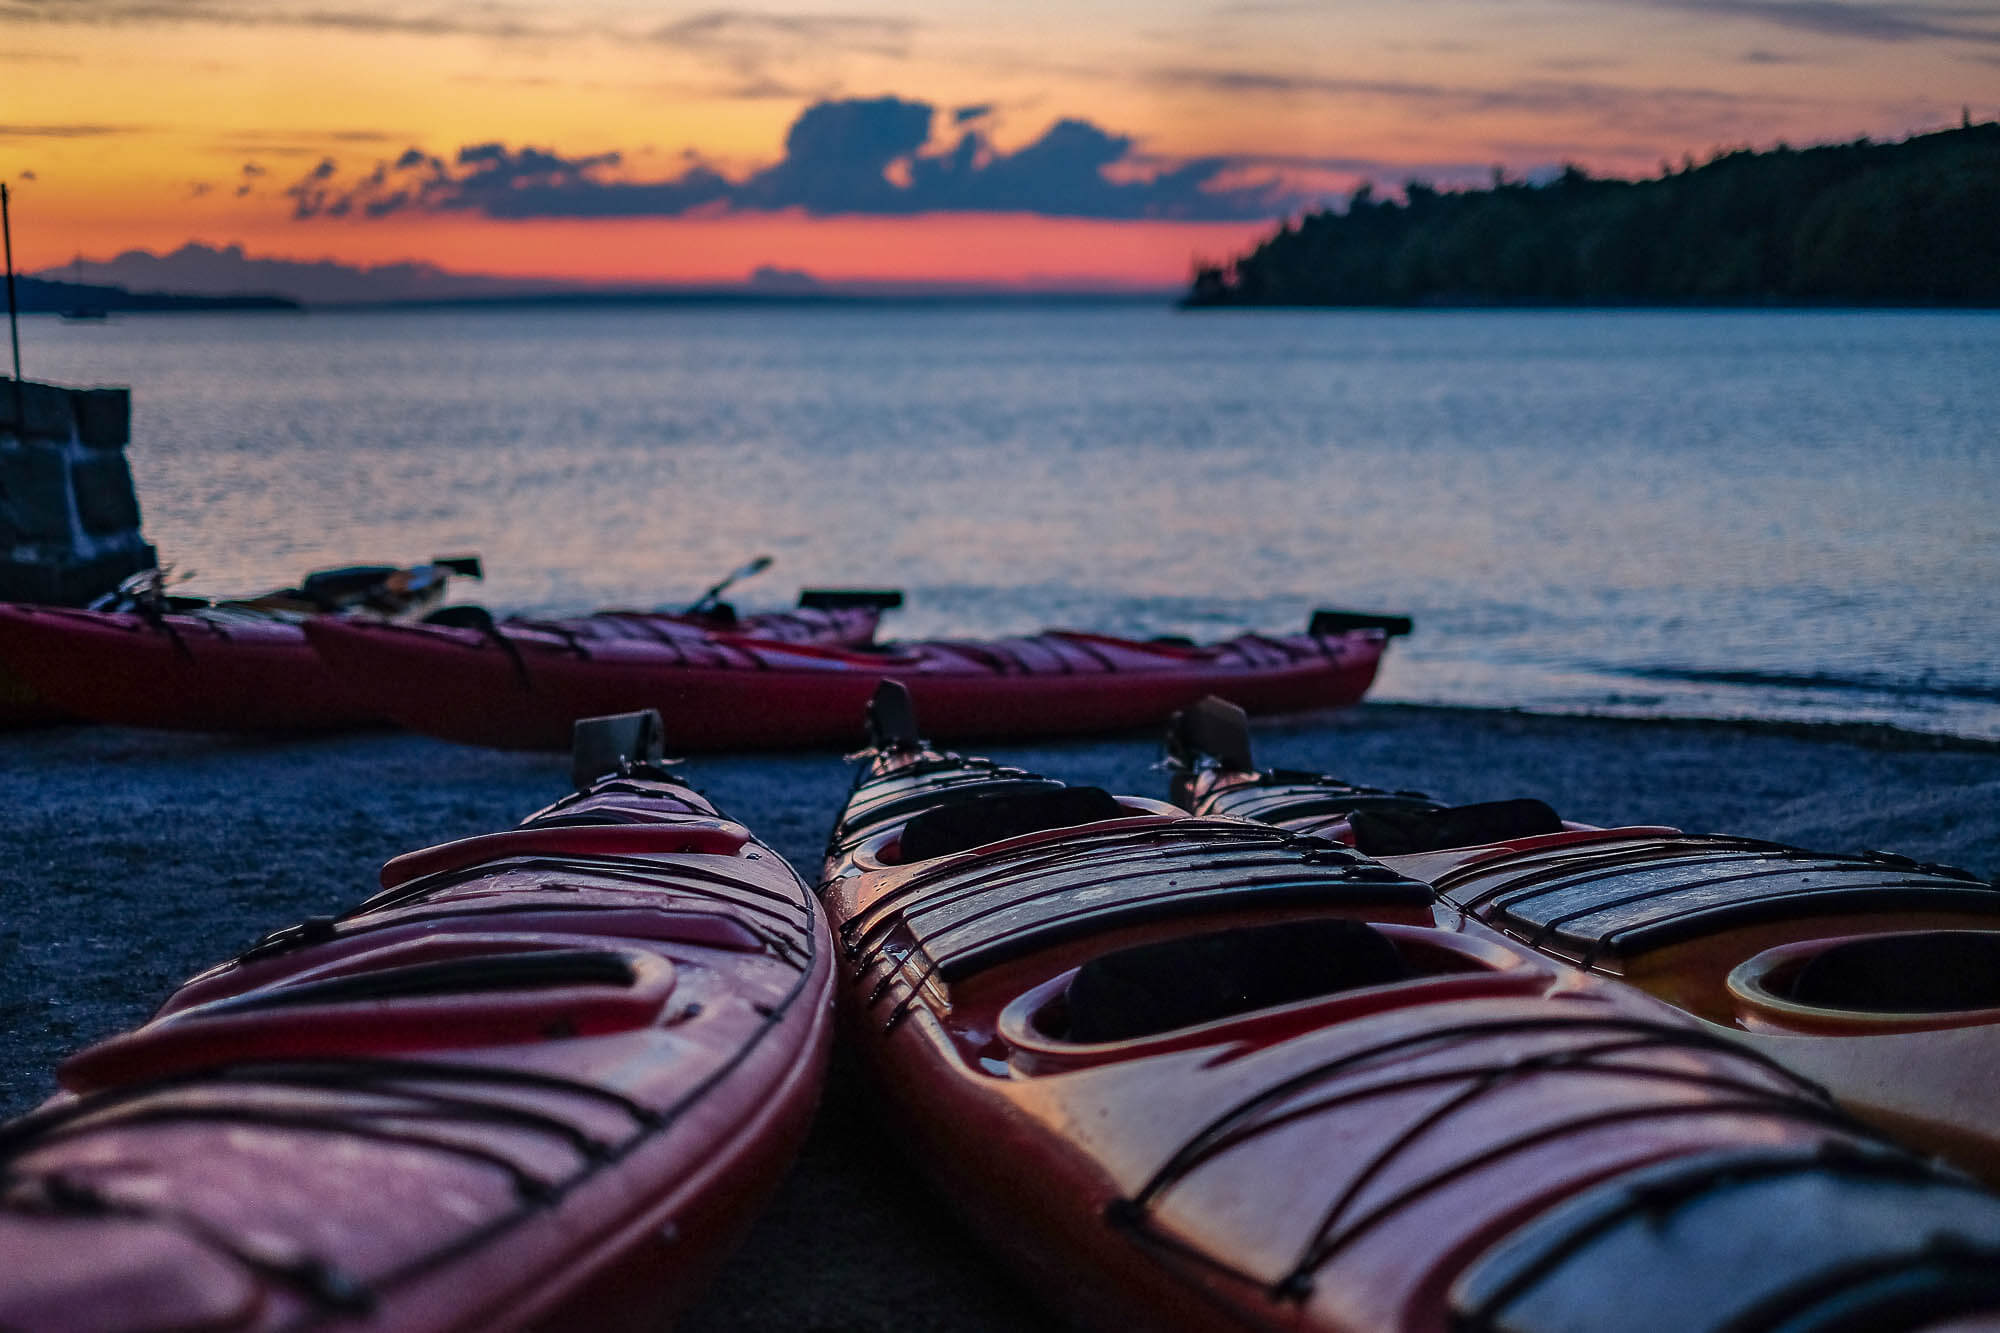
(40, 296)
(262, 306)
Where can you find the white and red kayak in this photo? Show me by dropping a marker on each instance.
(543, 1079)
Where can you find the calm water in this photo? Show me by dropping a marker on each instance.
(1730, 514)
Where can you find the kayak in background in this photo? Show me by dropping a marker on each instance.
(142, 656)
(837, 617)
(1875, 975)
(21, 707)
(188, 664)
(520, 686)
(1202, 1073)
(829, 617)
(543, 1079)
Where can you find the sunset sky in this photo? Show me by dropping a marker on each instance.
(1040, 141)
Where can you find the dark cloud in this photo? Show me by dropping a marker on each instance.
(841, 158)
(29, 175)
(1367, 166)
(1261, 9)
(1178, 77)
(231, 147)
(1552, 95)
(299, 143)
(1579, 64)
(837, 155)
(471, 20)
(516, 81)
(313, 196)
(744, 30)
(296, 143)
(316, 136)
(1763, 57)
(1879, 22)
(64, 131)
(759, 87)
(1677, 112)
(757, 47)
(960, 115)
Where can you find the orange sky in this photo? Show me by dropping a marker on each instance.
(127, 124)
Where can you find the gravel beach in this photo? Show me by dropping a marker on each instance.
(132, 860)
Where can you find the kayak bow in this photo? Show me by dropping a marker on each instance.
(541, 1080)
(1198, 1073)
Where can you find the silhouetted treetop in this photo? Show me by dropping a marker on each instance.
(1910, 223)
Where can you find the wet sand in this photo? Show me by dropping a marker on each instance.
(134, 859)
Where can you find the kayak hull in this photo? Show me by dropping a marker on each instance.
(179, 672)
(258, 674)
(546, 1089)
(738, 694)
(21, 707)
(1027, 974)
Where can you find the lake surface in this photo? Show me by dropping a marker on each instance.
(1777, 515)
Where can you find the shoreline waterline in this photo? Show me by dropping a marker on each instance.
(1765, 514)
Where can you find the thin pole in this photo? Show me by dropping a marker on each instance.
(13, 326)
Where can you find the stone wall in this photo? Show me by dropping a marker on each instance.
(69, 518)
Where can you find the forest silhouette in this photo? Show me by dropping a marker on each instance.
(1914, 223)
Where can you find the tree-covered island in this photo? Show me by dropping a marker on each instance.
(1912, 223)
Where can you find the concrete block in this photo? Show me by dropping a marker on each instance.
(43, 411)
(103, 417)
(34, 489)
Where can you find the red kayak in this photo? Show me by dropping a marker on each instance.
(521, 688)
(1206, 1074)
(1874, 975)
(247, 667)
(21, 707)
(542, 1080)
(145, 657)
